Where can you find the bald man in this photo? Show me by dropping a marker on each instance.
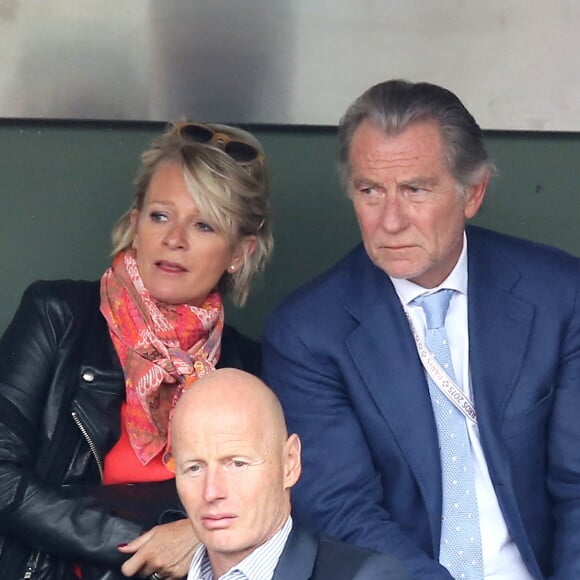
(235, 466)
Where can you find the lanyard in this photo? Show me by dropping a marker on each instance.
(443, 381)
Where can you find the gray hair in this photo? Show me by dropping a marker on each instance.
(233, 197)
(396, 104)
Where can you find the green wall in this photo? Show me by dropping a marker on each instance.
(63, 184)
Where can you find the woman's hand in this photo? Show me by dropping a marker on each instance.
(166, 549)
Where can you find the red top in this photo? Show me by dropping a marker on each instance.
(122, 465)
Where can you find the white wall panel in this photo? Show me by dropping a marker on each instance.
(514, 63)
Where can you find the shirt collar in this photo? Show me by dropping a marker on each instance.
(258, 565)
(457, 280)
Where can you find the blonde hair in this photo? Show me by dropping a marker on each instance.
(233, 197)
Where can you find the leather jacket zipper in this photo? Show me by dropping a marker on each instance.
(31, 565)
(88, 439)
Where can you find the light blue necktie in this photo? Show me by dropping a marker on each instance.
(460, 550)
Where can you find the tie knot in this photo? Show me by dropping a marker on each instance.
(435, 307)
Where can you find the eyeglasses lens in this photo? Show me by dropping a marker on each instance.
(241, 152)
(196, 133)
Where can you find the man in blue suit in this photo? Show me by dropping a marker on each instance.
(433, 374)
(235, 465)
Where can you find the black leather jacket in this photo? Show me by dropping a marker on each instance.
(61, 388)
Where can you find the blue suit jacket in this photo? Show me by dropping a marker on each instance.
(340, 355)
(307, 557)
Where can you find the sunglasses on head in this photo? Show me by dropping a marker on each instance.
(240, 151)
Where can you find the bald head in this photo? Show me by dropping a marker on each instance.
(231, 393)
(234, 464)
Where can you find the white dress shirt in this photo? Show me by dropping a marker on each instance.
(501, 557)
(258, 565)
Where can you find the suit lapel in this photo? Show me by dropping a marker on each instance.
(297, 559)
(500, 326)
(385, 355)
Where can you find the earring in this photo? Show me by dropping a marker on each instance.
(232, 268)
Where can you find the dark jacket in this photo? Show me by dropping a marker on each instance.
(309, 557)
(61, 388)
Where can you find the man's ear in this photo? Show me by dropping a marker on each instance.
(474, 196)
(292, 461)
